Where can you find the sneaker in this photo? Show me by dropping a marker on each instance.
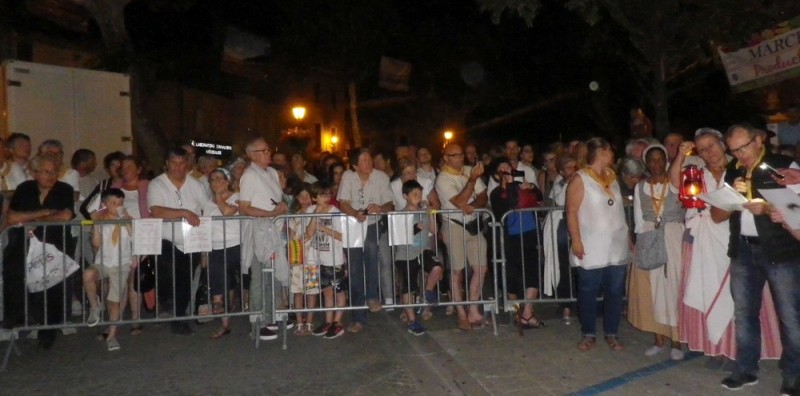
(790, 387)
(431, 297)
(266, 334)
(112, 344)
(449, 310)
(94, 317)
(654, 350)
(389, 302)
(335, 330)
(322, 329)
(676, 354)
(737, 380)
(274, 325)
(416, 329)
(77, 308)
(69, 330)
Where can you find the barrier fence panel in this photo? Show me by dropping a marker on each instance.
(534, 250)
(195, 273)
(392, 262)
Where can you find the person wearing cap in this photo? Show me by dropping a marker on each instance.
(762, 252)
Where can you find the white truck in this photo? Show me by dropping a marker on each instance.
(81, 108)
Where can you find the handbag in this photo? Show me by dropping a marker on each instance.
(46, 266)
(144, 281)
(651, 250)
(474, 227)
(296, 248)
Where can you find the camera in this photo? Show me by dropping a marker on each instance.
(518, 175)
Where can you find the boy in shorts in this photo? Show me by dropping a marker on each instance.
(409, 258)
(324, 248)
(112, 263)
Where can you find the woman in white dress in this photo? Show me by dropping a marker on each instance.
(599, 243)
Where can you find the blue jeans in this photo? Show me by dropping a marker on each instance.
(364, 279)
(612, 281)
(749, 271)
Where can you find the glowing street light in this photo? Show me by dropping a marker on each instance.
(448, 135)
(299, 113)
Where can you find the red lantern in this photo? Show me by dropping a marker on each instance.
(692, 185)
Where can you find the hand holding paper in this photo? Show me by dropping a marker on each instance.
(725, 198)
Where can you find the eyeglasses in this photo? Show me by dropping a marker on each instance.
(454, 155)
(47, 172)
(741, 148)
(180, 201)
(361, 200)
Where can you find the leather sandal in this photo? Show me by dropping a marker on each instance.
(587, 343)
(530, 323)
(614, 343)
(221, 332)
(464, 324)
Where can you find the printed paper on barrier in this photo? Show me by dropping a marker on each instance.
(46, 266)
(400, 229)
(353, 232)
(147, 235)
(197, 239)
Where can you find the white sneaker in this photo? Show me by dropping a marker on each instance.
(77, 308)
(94, 317)
(676, 354)
(112, 344)
(33, 335)
(69, 330)
(654, 350)
(6, 334)
(389, 302)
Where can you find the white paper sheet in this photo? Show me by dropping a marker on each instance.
(400, 229)
(147, 235)
(787, 201)
(725, 198)
(197, 239)
(353, 232)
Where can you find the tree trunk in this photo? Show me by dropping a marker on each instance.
(144, 137)
(351, 91)
(661, 101)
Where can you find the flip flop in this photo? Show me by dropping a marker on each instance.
(464, 324)
(221, 332)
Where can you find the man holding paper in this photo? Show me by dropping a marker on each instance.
(761, 251)
(173, 196)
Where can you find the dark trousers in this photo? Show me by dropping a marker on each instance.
(176, 266)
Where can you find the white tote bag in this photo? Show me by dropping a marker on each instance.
(46, 266)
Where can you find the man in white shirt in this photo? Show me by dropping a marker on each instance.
(460, 187)
(19, 148)
(364, 192)
(260, 196)
(174, 196)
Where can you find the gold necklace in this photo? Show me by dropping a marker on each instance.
(605, 182)
(658, 203)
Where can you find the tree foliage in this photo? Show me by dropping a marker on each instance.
(669, 43)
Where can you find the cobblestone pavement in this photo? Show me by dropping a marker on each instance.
(384, 359)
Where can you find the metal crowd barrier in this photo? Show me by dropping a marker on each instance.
(385, 284)
(172, 279)
(556, 278)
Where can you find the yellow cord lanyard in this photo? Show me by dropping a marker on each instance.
(658, 203)
(605, 182)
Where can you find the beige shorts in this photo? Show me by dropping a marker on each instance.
(463, 247)
(114, 279)
(298, 284)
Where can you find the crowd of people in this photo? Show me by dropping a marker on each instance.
(720, 282)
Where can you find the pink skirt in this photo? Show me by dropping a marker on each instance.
(692, 327)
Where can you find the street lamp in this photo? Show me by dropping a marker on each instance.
(299, 113)
(447, 136)
(334, 140)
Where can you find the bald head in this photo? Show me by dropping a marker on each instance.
(453, 156)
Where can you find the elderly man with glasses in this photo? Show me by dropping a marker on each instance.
(761, 251)
(460, 187)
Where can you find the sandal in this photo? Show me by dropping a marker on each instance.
(404, 317)
(221, 332)
(464, 324)
(614, 343)
(136, 330)
(530, 323)
(427, 315)
(587, 343)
